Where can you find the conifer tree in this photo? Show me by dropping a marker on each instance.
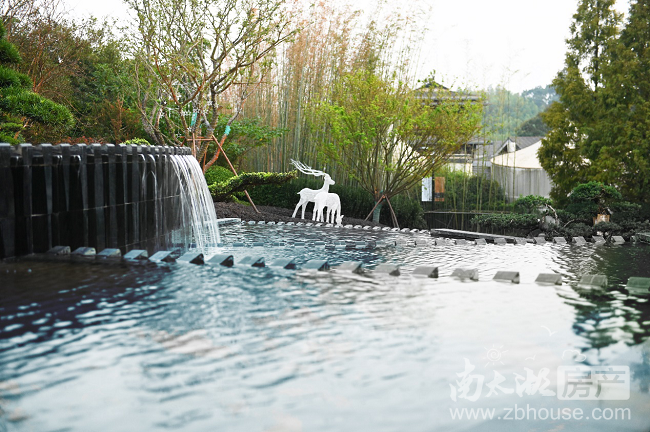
(575, 139)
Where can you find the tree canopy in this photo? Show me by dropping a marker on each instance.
(387, 136)
(598, 129)
(19, 106)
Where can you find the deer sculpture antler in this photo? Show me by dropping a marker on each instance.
(305, 169)
(307, 195)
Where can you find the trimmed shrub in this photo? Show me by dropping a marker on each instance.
(217, 174)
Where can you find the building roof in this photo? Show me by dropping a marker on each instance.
(524, 158)
(520, 143)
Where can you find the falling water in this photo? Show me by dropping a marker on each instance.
(197, 208)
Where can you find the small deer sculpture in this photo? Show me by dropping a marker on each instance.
(333, 204)
(307, 195)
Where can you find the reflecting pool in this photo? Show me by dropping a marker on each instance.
(115, 347)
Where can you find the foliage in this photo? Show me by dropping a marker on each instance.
(80, 64)
(386, 137)
(245, 135)
(217, 174)
(533, 127)
(224, 190)
(464, 192)
(506, 111)
(510, 221)
(355, 202)
(588, 199)
(191, 52)
(599, 126)
(542, 97)
(137, 141)
(531, 203)
(19, 106)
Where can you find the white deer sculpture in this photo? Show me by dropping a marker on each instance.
(307, 195)
(333, 204)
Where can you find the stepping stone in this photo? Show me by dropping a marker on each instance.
(507, 276)
(376, 228)
(285, 263)
(278, 243)
(421, 243)
(642, 237)
(500, 241)
(426, 271)
(86, 251)
(461, 241)
(192, 257)
(238, 244)
(350, 266)
(319, 224)
(579, 240)
(385, 229)
(110, 253)
(390, 269)
(280, 223)
(270, 223)
(136, 254)
(258, 244)
(319, 265)
(319, 244)
(347, 226)
(520, 241)
(441, 242)
(225, 260)
(59, 250)
(300, 224)
(261, 223)
(462, 274)
(395, 229)
(360, 245)
(598, 239)
(480, 242)
(251, 222)
(309, 224)
(367, 227)
(252, 261)
(617, 240)
(597, 281)
(540, 240)
(358, 227)
(299, 244)
(549, 279)
(291, 223)
(638, 285)
(415, 230)
(405, 230)
(559, 240)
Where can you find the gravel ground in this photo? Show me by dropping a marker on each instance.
(272, 214)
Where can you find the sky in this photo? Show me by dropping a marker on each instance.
(517, 44)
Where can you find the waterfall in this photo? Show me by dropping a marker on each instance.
(103, 196)
(196, 205)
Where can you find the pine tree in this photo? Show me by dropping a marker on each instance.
(19, 106)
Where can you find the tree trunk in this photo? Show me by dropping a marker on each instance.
(376, 213)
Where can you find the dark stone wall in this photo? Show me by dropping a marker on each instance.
(101, 196)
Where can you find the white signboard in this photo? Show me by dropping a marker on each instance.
(427, 189)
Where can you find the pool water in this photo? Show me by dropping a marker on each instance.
(115, 347)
